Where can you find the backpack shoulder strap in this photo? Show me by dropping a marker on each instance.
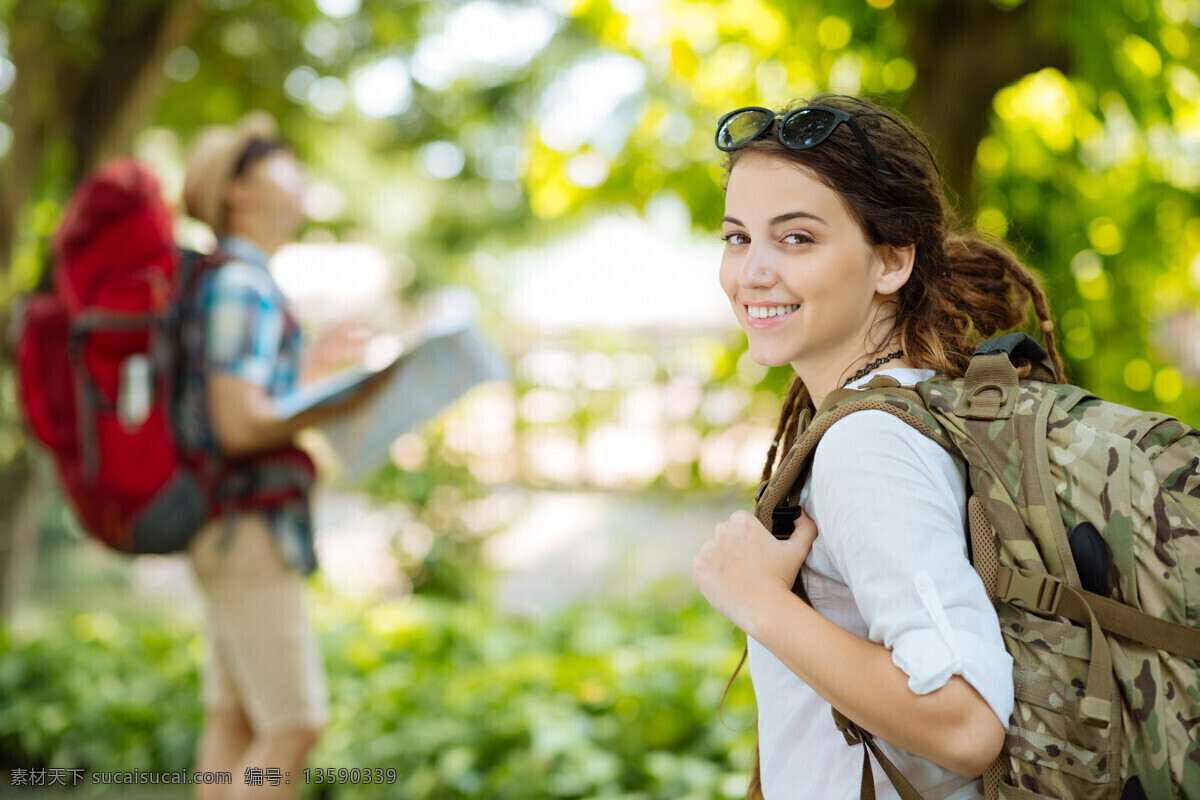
(856, 734)
(883, 393)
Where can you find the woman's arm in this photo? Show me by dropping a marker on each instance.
(747, 576)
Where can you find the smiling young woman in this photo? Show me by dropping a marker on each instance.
(839, 261)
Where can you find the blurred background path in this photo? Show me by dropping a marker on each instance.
(553, 548)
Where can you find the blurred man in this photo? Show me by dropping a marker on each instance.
(265, 696)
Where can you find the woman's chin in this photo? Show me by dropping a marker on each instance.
(766, 359)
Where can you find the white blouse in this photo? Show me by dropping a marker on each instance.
(890, 565)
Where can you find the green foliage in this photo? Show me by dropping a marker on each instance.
(1095, 186)
(459, 700)
(92, 690)
(586, 703)
(434, 493)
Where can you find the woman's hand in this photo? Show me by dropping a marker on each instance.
(744, 567)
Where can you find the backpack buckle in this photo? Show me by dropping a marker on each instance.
(881, 382)
(1092, 711)
(783, 519)
(1038, 593)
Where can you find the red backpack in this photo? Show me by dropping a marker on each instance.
(98, 365)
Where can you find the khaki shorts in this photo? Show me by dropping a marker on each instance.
(264, 654)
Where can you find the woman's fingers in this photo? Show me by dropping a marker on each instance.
(794, 550)
(804, 531)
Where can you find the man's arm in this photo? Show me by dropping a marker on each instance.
(243, 414)
(244, 421)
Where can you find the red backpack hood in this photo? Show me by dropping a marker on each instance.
(116, 218)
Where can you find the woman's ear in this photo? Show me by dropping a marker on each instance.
(897, 266)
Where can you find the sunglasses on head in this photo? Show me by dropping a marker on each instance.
(799, 130)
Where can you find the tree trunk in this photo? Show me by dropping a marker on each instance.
(25, 486)
(120, 97)
(965, 51)
(100, 111)
(30, 114)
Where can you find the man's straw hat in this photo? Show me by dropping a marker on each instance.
(213, 156)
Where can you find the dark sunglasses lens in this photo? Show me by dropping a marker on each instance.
(807, 128)
(742, 127)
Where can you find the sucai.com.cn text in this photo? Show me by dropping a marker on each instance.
(60, 776)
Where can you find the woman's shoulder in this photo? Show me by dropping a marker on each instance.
(878, 448)
(872, 468)
(874, 431)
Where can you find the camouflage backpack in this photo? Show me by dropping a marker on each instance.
(1084, 525)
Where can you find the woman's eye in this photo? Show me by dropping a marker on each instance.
(734, 238)
(797, 238)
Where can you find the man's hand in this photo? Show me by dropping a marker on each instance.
(336, 348)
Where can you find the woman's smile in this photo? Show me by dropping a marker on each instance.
(766, 315)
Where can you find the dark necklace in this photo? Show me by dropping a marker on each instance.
(879, 362)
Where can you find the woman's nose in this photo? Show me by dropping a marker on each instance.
(756, 269)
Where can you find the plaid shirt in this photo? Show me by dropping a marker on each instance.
(248, 332)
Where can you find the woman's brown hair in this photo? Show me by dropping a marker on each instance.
(965, 286)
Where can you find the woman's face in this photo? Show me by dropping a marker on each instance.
(800, 275)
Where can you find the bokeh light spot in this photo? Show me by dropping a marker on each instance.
(181, 65)
(1168, 385)
(992, 220)
(992, 155)
(1138, 374)
(899, 74)
(1142, 55)
(834, 33)
(442, 160)
(382, 89)
(339, 8)
(1105, 236)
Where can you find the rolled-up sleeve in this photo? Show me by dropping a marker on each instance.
(889, 507)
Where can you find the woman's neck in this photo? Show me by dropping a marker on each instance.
(834, 373)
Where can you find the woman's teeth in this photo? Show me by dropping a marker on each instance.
(766, 312)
